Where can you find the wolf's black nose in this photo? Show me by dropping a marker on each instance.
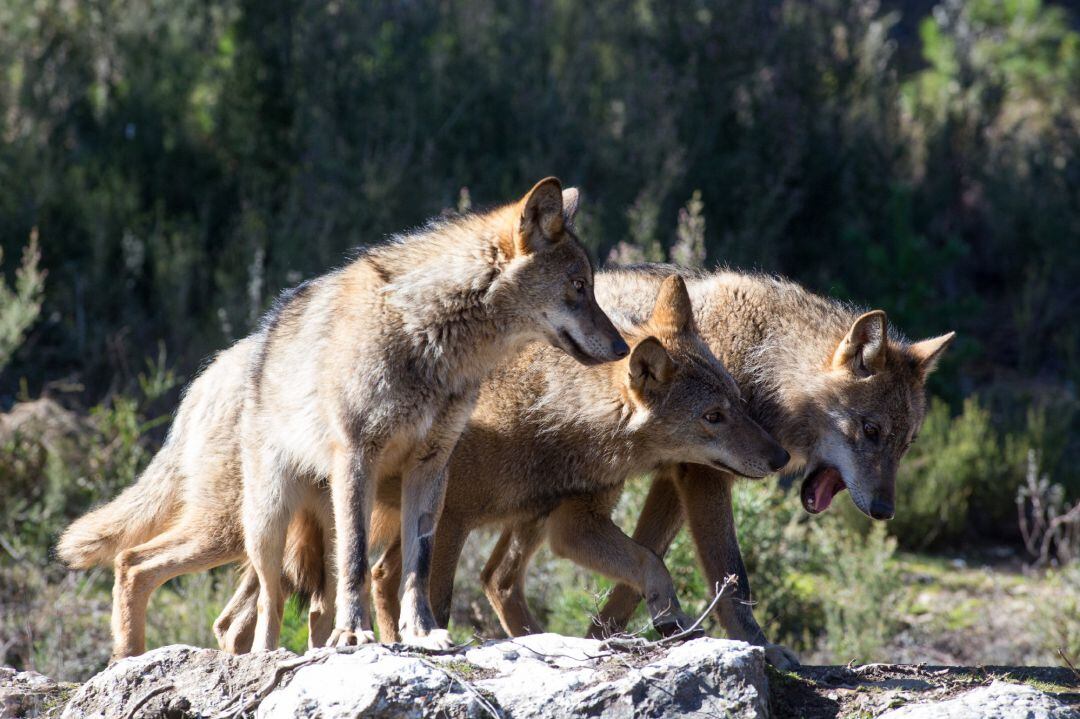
(779, 459)
(881, 510)
(619, 348)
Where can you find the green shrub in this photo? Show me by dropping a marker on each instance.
(1058, 621)
(953, 458)
(860, 591)
(20, 305)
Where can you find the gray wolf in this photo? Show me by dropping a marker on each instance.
(367, 372)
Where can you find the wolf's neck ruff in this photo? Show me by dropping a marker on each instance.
(447, 285)
(586, 403)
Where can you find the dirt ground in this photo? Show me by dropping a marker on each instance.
(825, 692)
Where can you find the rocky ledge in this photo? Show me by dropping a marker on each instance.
(544, 675)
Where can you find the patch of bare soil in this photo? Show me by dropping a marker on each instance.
(825, 692)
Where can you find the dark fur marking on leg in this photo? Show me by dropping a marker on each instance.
(358, 566)
(423, 558)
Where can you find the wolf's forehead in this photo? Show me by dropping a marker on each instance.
(713, 373)
(904, 407)
(572, 244)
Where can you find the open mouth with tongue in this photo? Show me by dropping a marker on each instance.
(819, 488)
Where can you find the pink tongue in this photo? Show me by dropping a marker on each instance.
(828, 484)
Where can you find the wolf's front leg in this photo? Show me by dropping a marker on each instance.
(423, 491)
(706, 499)
(351, 490)
(582, 530)
(660, 520)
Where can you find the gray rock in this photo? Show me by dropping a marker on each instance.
(176, 681)
(1000, 700)
(538, 676)
(542, 675)
(29, 694)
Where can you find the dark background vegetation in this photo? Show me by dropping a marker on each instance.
(182, 161)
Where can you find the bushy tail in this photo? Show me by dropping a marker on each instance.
(140, 512)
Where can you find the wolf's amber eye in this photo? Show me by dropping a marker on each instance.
(714, 417)
(579, 285)
(871, 431)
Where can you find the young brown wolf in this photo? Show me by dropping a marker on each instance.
(552, 442)
(366, 373)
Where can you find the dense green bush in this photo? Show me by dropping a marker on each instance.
(20, 305)
(953, 458)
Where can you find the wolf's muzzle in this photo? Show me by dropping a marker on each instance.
(779, 459)
(881, 510)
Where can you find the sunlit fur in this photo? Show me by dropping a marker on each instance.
(778, 341)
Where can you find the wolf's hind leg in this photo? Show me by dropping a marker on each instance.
(503, 577)
(271, 495)
(235, 626)
(385, 580)
(323, 612)
(142, 569)
(660, 520)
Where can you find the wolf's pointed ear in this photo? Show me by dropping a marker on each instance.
(926, 353)
(862, 351)
(672, 314)
(570, 199)
(651, 367)
(541, 220)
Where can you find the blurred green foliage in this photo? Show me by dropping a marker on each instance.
(185, 160)
(20, 305)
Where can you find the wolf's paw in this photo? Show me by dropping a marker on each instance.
(350, 638)
(781, 657)
(672, 623)
(436, 639)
